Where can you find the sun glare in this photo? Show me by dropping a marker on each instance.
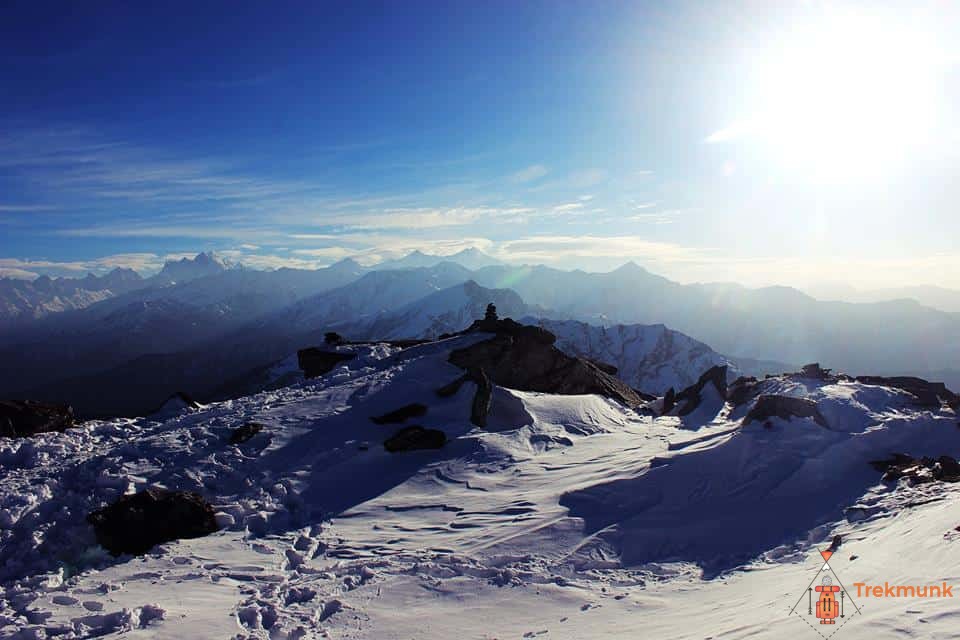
(845, 97)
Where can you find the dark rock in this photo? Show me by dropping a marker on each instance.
(835, 544)
(509, 327)
(244, 432)
(451, 388)
(413, 410)
(692, 396)
(898, 460)
(415, 437)
(481, 399)
(918, 470)
(316, 362)
(947, 469)
(136, 523)
(785, 408)
(669, 401)
(177, 401)
(333, 338)
(603, 366)
(524, 358)
(742, 390)
(25, 418)
(815, 371)
(491, 314)
(928, 394)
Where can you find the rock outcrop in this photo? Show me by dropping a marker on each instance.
(928, 394)
(523, 357)
(175, 403)
(785, 408)
(413, 438)
(244, 432)
(136, 523)
(919, 470)
(743, 390)
(815, 371)
(413, 410)
(314, 361)
(691, 397)
(25, 418)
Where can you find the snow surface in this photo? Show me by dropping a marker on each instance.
(569, 517)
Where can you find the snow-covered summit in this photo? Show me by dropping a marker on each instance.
(470, 258)
(203, 264)
(568, 515)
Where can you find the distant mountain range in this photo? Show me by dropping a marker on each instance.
(933, 297)
(471, 258)
(771, 323)
(201, 323)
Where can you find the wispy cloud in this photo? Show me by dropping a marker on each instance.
(665, 216)
(553, 249)
(23, 208)
(142, 262)
(529, 174)
(75, 162)
(730, 132)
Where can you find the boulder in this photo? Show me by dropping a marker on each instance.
(413, 438)
(244, 432)
(315, 362)
(523, 357)
(25, 418)
(691, 397)
(413, 410)
(785, 408)
(135, 523)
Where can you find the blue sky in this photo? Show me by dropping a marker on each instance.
(579, 134)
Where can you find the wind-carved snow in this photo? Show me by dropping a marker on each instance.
(570, 516)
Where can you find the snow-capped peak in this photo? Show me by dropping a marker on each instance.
(185, 269)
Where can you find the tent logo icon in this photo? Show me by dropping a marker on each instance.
(826, 606)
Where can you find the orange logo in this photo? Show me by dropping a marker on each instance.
(828, 604)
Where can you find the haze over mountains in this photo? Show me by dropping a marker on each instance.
(121, 343)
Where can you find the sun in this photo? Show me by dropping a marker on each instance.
(844, 95)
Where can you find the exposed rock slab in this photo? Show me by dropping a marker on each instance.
(314, 361)
(690, 398)
(919, 470)
(413, 438)
(785, 408)
(136, 523)
(524, 358)
(25, 418)
(412, 410)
